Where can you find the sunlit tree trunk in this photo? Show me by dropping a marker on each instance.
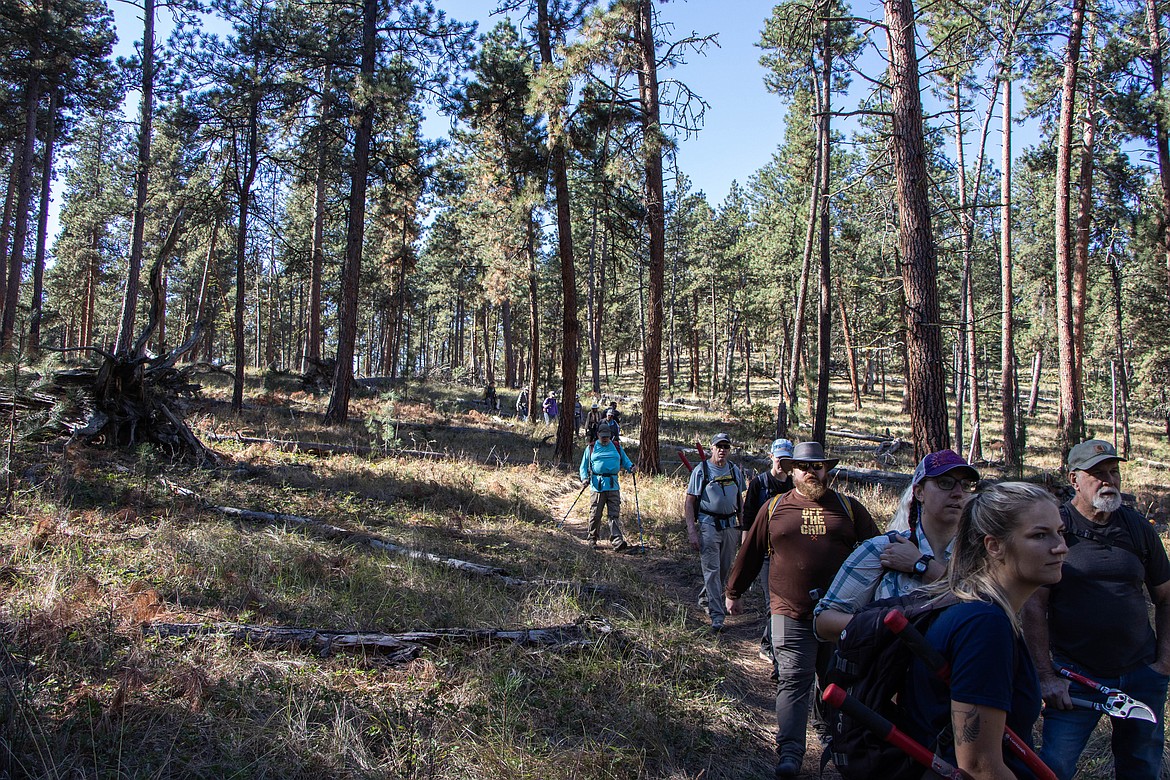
(1069, 425)
(141, 175)
(925, 378)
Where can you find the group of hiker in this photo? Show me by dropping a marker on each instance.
(1024, 601)
(550, 410)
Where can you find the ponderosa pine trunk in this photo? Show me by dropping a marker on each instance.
(850, 354)
(1008, 376)
(1161, 132)
(825, 311)
(141, 176)
(338, 411)
(1068, 422)
(570, 328)
(533, 320)
(23, 202)
(38, 291)
(925, 378)
(1080, 279)
(793, 376)
(317, 262)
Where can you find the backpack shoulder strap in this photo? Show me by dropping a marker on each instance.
(847, 505)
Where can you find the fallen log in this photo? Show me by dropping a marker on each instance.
(337, 533)
(401, 647)
(893, 479)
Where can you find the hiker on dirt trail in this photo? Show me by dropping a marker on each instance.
(713, 513)
(577, 418)
(896, 563)
(764, 486)
(612, 413)
(600, 465)
(1094, 620)
(809, 532)
(591, 421)
(1008, 545)
(549, 407)
(490, 400)
(611, 418)
(522, 405)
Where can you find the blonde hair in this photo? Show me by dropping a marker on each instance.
(995, 512)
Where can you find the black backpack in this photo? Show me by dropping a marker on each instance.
(872, 664)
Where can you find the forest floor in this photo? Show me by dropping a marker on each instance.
(125, 579)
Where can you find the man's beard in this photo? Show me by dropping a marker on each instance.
(1108, 501)
(810, 490)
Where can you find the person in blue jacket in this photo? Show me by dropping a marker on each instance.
(600, 465)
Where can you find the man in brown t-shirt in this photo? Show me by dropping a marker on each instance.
(811, 531)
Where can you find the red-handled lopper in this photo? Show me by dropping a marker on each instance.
(837, 697)
(1117, 704)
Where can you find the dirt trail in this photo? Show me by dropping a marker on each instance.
(680, 578)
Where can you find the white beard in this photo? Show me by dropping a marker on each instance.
(1108, 502)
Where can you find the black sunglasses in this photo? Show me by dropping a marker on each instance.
(805, 465)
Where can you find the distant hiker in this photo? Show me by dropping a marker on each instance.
(522, 405)
(600, 465)
(713, 513)
(896, 563)
(1094, 620)
(611, 418)
(549, 407)
(1008, 545)
(809, 532)
(577, 418)
(764, 486)
(613, 413)
(591, 421)
(490, 399)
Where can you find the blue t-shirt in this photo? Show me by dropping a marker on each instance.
(990, 666)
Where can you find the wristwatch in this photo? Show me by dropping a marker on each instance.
(922, 564)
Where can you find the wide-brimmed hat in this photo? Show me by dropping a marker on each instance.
(782, 449)
(719, 438)
(811, 452)
(1089, 453)
(935, 464)
(594, 405)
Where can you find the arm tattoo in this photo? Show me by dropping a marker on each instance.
(968, 725)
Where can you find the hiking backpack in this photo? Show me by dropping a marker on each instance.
(873, 664)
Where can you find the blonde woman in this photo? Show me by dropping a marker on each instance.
(1009, 544)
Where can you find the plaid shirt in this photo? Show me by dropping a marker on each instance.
(862, 579)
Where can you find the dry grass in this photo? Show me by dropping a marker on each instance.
(99, 546)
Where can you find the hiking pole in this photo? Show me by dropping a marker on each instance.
(938, 666)
(836, 696)
(638, 513)
(561, 524)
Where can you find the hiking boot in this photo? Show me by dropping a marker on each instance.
(620, 545)
(789, 766)
(716, 628)
(592, 544)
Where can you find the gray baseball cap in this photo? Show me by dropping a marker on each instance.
(1089, 453)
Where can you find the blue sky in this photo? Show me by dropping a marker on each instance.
(743, 125)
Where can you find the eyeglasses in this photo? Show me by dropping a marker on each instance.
(805, 465)
(948, 483)
(722, 446)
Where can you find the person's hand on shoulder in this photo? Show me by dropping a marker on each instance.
(900, 554)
